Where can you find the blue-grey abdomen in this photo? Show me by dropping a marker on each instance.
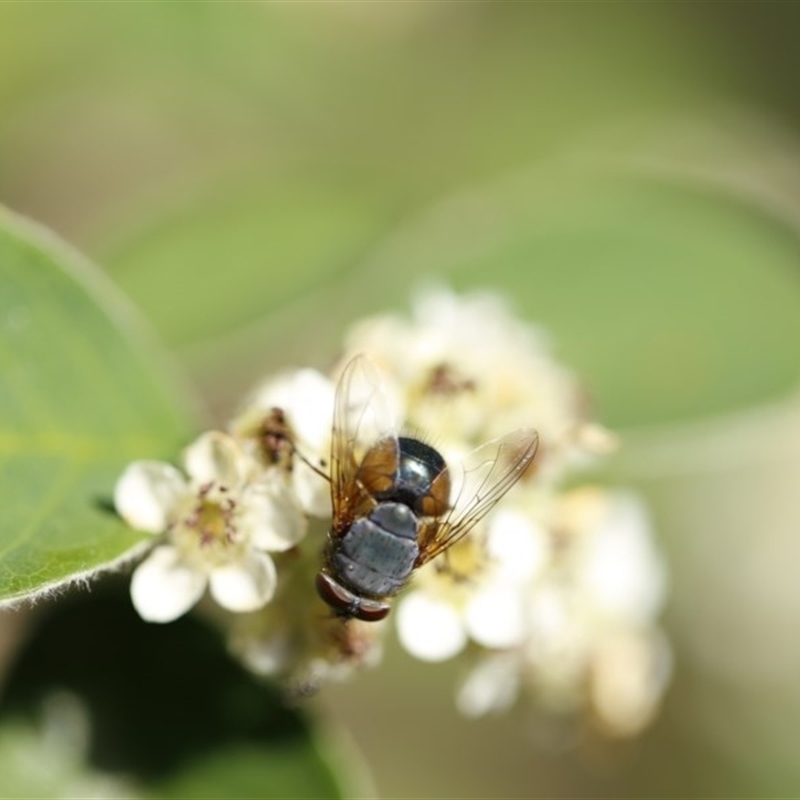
(377, 555)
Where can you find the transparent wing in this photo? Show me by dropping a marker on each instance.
(362, 416)
(481, 480)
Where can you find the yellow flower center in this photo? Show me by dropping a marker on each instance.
(211, 522)
(208, 529)
(456, 573)
(467, 557)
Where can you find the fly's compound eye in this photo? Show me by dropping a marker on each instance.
(335, 595)
(348, 605)
(372, 610)
(379, 467)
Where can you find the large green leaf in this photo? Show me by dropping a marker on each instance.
(236, 257)
(673, 298)
(159, 710)
(260, 147)
(82, 391)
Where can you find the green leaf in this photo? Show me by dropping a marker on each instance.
(83, 390)
(300, 134)
(277, 771)
(238, 257)
(161, 709)
(672, 298)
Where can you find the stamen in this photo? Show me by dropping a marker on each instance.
(276, 439)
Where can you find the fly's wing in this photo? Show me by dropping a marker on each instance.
(362, 418)
(482, 479)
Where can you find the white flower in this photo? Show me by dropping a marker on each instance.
(469, 371)
(629, 674)
(517, 544)
(492, 686)
(557, 651)
(616, 563)
(560, 594)
(478, 592)
(592, 619)
(429, 629)
(286, 425)
(217, 527)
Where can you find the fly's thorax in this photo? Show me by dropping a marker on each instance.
(409, 472)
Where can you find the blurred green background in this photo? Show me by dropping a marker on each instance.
(255, 176)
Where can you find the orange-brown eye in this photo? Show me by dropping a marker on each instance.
(377, 471)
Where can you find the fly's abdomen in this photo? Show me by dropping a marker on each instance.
(377, 555)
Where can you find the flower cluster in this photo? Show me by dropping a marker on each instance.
(557, 594)
(586, 635)
(554, 595)
(245, 495)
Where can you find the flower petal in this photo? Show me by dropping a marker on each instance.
(492, 686)
(147, 493)
(429, 629)
(215, 457)
(495, 617)
(517, 544)
(245, 585)
(164, 587)
(622, 569)
(312, 490)
(271, 518)
(309, 406)
(266, 656)
(627, 681)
